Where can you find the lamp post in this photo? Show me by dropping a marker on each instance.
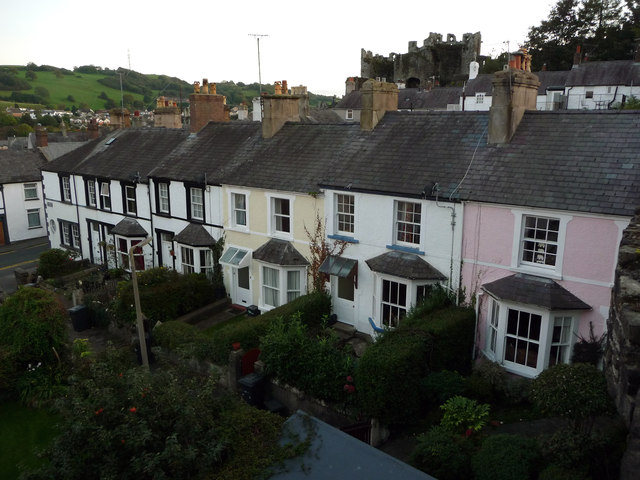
(136, 299)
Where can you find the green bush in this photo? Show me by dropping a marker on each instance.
(313, 308)
(487, 381)
(393, 370)
(442, 454)
(313, 364)
(33, 335)
(389, 377)
(164, 295)
(506, 457)
(57, 262)
(577, 392)
(464, 415)
(182, 338)
(441, 386)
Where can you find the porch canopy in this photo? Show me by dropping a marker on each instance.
(404, 265)
(195, 236)
(128, 227)
(340, 267)
(280, 252)
(235, 257)
(536, 291)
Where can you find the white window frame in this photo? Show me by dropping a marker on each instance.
(66, 189)
(554, 272)
(187, 260)
(273, 216)
(123, 256)
(31, 213)
(405, 224)
(349, 114)
(545, 341)
(345, 214)
(30, 191)
(130, 200)
(105, 195)
(290, 283)
(388, 287)
(163, 197)
(92, 199)
(411, 297)
(70, 234)
(197, 208)
(236, 212)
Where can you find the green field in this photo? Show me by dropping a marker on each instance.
(85, 88)
(23, 431)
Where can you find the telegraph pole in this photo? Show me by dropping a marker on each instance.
(258, 36)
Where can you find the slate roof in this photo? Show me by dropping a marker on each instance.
(480, 84)
(405, 265)
(195, 235)
(333, 454)
(129, 227)
(17, 166)
(131, 152)
(536, 291)
(411, 98)
(295, 158)
(615, 72)
(279, 252)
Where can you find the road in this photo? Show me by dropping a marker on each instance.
(19, 254)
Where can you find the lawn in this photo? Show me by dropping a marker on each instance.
(23, 431)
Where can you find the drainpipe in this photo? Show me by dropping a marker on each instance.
(436, 188)
(75, 194)
(152, 233)
(615, 94)
(475, 328)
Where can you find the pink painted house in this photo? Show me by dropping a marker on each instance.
(545, 205)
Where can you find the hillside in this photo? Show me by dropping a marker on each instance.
(93, 87)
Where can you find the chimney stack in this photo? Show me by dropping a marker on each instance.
(514, 92)
(206, 105)
(281, 108)
(377, 99)
(92, 129)
(577, 57)
(41, 136)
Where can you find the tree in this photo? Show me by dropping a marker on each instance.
(597, 26)
(30, 75)
(320, 250)
(42, 92)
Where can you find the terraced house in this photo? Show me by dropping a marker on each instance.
(518, 211)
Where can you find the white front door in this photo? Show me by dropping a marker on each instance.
(97, 244)
(343, 296)
(242, 286)
(166, 246)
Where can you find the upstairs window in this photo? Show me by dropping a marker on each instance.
(30, 191)
(407, 225)
(239, 209)
(479, 98)
(345, 214)
(163, 197)
(349, 114)
(540, 240)
(91, 193)
(281, 215)
(197, 203)
(105, 195)
(130, 199)
(66, 189)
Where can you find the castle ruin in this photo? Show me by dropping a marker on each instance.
(436, 62)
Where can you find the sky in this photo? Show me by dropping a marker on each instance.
(312, 43)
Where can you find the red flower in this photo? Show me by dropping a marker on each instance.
(349, 379)
(468, 432)
(122, 441)
(133, 409)
(346, 387)
(99, 411)
(120, 374)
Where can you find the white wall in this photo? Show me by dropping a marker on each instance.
(16, 212)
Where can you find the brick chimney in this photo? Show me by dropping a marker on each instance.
(207, 106)
(120, 118)
(577, 57)
(514, 92)
(282, 107)
(377, 99)
(41, 136)
(92, 129)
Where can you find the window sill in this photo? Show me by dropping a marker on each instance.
(343, 238)
(538, 272)
(31, 199)
(35, 228)
(401, 248)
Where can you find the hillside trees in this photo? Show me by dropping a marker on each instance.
(605, 29)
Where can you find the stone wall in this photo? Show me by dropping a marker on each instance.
(437, 61)
(622, 357)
